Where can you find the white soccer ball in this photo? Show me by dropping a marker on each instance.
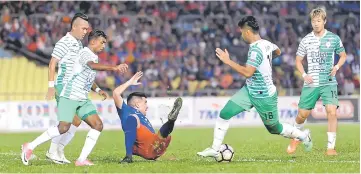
(226, 153)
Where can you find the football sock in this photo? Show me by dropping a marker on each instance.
(331, 140)
(90, 142)
(67, 137)
(220, 131)
(166, 129)
(44, 137)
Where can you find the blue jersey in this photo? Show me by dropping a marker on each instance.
(126, 111)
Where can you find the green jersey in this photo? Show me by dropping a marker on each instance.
(320, 57)
(260, 85)
(66, 50)
(82, 79)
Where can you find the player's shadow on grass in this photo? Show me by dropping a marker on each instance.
(112, 159)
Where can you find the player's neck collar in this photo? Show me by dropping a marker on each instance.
(68, 33)
(90, 51)
(254, 43)
(324, 34)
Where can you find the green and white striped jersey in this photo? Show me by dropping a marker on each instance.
(320, 57)
(260, 85)
(67, 51)
(79, 86)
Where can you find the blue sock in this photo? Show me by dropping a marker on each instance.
(166, 129)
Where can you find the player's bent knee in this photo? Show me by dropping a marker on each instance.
(63, 127)
(76, 121)
(274, 128)
(98, 126)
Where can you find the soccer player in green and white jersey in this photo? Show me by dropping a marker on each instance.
(64, 54)
(259, 91)
(320, 47)
(82, 107)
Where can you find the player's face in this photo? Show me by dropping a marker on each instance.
(245, 34)
(318, 24)
(142, 106)
(100, 44)
(81, 29)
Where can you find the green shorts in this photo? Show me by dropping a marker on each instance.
(68, 108)
(310, 95)
(266, 107)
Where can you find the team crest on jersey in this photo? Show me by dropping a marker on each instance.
(328, 44)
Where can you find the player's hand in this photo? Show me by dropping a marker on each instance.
(333, 71)
(223, 55)
(127, 159)
(308, 79)
(51, 93)
(122, 68)
(135, 78)
(103, 94)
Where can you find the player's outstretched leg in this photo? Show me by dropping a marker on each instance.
(52, 132)
(299, 122)
(167, 127)
(222, 124)
(96, 125)
(292, 132)
(56, 150)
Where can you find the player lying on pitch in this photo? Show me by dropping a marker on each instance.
(140, 137)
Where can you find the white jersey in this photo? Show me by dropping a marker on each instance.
(260, 85)
(320, 57)
(66, 50)
(79, 86)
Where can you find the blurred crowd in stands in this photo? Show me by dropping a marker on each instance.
(173, 42)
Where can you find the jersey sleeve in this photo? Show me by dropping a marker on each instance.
(85, 57)
(124, 113)
(60, 50)
(301, 51)
(255, 58)
(274, 47)
(339, 46)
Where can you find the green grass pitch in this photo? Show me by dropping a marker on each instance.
(255, 151)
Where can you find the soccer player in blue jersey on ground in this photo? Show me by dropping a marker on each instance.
(140, 137)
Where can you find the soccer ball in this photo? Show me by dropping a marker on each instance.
(226, 153)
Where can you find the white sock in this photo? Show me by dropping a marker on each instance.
(331, 140)
(289, 131)
(54, 144)
(299, 126)
(91, 140)
(66, 138)
(44, 137)
(220, 131)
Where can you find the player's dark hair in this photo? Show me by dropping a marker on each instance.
(79, 15)
(249, 21)
(95, 34)
(135, 94)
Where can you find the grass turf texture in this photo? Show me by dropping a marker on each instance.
(255, 151)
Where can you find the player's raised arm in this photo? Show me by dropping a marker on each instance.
(85, 59)
(118, 100)
(246, 71)
(101, 67)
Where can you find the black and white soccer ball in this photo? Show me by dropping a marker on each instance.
(226, 153)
